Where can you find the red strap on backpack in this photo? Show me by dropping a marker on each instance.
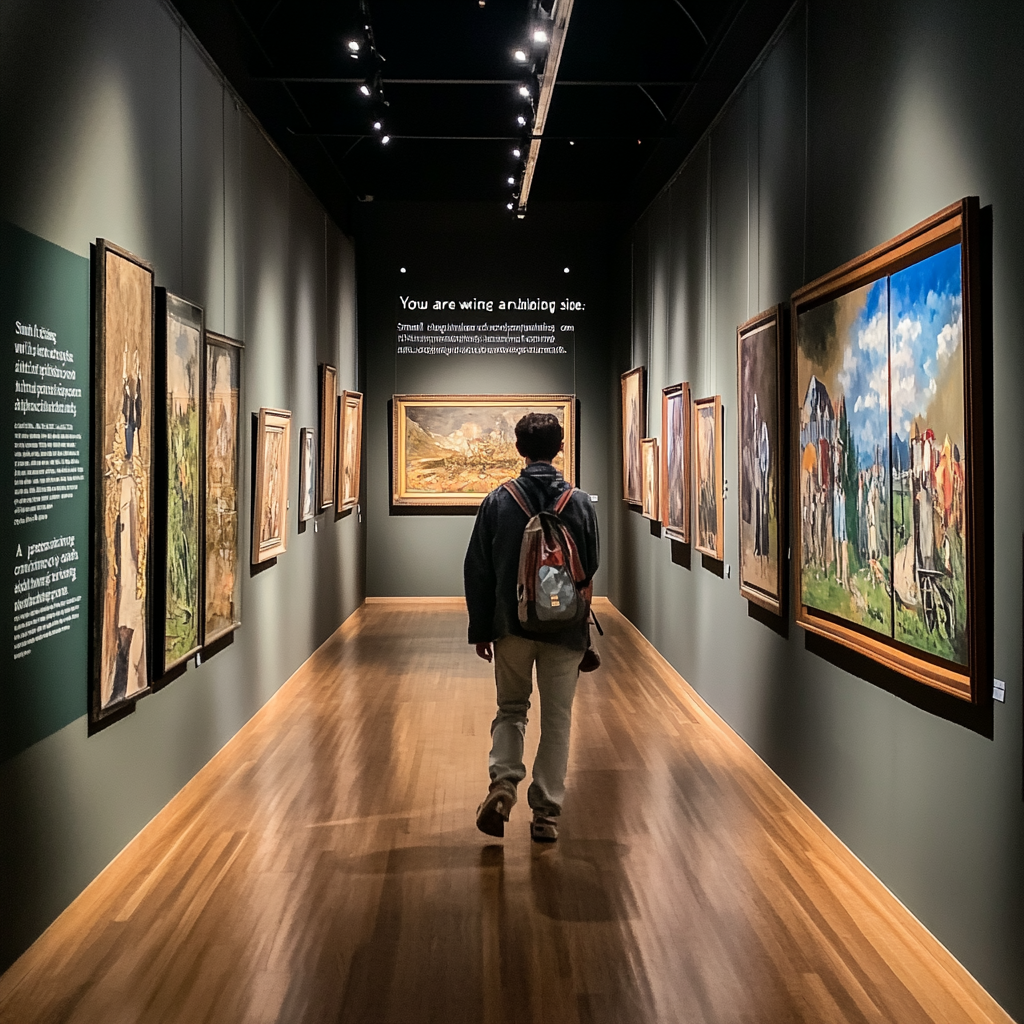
(563, 499)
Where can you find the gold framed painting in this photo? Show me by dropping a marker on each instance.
(270, 501)
(707, 437)
(634, 426)
(453, 450)
(123, 415)
(328, 448)
(651, 471)
(350, 449)
(676, 471)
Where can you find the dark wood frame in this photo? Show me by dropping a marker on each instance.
(677, 531)
(307, 434)
(265, 414)
(633, 499)
(399, 403)
(655, 513)
(349, 404)
(956, 223)
(165, 301)
(222, 341)
(327, 454)
(101, 250)
(774, 316)
(715, 401)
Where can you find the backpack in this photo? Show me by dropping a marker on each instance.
(549, 587)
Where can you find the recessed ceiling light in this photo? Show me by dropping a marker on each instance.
(540, 36)
(520, 55)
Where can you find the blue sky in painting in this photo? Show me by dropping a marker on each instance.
(927, 302)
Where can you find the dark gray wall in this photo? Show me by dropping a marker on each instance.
(115, 125)
(465, 250)
(862, 120)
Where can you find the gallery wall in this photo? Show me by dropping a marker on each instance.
(862, 120)
(115, 125)
(460, 252)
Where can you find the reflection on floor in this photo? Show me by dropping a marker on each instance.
(325, 867)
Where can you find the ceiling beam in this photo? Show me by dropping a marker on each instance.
(327, 80)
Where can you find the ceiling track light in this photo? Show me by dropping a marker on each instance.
(521, 55)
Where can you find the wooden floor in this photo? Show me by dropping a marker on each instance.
(325, 867)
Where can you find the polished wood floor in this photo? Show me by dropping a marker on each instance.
(325, 867)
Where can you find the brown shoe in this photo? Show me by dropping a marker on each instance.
(492, 814)
(543, 829)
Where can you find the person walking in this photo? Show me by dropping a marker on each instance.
(491, 573)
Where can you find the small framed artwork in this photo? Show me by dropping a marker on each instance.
(123, 413)
(759, 433)
(222, 581)
(651, 504)
(707, 435)
(307, 475)
(328, 447)
(270, 501)
(676, 472)
(634, 426)
(350, 453)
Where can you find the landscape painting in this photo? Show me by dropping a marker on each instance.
(328, 434)
(634, 426)
(759, 434)
(183, 360)
(351, 451)
(707, 432)
(307, 475)
(651, 468)
(123, 410)
(270, 501)
(452, 450)
(675, 461)
(222, 584)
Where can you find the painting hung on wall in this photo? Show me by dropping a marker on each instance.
(759, 432)
(707, 436)
(328, 435)
(634, 426)
(452, 450)
(351, 450)
(675, 461)
(307, 475)
(181, 328)
(222, 584)
(650, 471)
(123, 411)
(888, 461)
(270, 501)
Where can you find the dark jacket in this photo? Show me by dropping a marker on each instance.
(491, 570)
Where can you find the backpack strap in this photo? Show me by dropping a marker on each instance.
(563, 500)
(513, 488)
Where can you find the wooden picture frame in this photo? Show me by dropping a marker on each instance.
(759, 438)
(123, 407)
(634, 428)
(651, 463)
(676, 461)
(307, 474)
(905, 579)
(328, 426)
(438, 462)
(222, 519)
(270, 500)
(709, 491)
(350, 449)
(181, 472)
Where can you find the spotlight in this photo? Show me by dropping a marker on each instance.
(521, 121)
(365, 89)
(571, 143)
(508, 206)
(402, 270)
(520, 55)
(540, 36)
(511, 181)
(524, 92)
(521, 216)
(566, 271)
(516, 153)
(353, 45)
(385, 139)
(377, 126)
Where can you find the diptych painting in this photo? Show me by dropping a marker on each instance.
(675, 461)
(307, 474)
(351, 450)
(707, 436)
(123, 411)
(328, 435)
(634, 426)
(651, 471)
(455, 449)
(273, 451)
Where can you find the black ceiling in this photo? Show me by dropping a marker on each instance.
(639, 82)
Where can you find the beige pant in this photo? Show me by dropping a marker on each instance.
(557, 671)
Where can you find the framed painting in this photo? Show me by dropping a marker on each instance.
(675, 461)
(307, 475)
(707, 435)
(222, 580)
(651, 472)
(180, 326)
(634, 426)
(328, 435)
(270, 500)
(759, 434)
(351, 450)
(453, 450)
(123, 413)
(887, 460)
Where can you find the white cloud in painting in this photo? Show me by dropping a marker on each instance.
(948, 341)
(873, 337)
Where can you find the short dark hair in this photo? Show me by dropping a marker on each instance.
(538, 436)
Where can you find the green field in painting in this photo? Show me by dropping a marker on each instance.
(866, 603)
(181, 627)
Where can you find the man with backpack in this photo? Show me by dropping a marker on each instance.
(528, 575)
